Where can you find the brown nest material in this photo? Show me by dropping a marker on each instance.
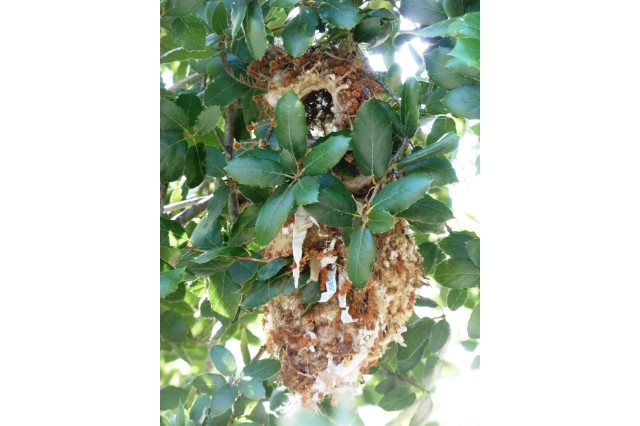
(330, 347)
(332, 84)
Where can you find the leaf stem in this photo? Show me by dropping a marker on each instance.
(228, 153)
(184, 82)
(401, 377)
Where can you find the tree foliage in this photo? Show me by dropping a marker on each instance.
(231, 176)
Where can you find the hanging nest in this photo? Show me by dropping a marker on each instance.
(326, 347)
(330, 83)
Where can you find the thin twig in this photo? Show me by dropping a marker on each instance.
(185, 203)
(397, 155)
(228, 153)
(259, 354)
(252, 259)
(192, 211)
(185, 82)
(163, 194)
(401, 377)
(386, 88)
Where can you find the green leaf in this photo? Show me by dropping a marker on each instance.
(440, 127)
(468, 51)
(169, 281)
(437, 168)
(299, 33)
(243, 270)
(255, 195)
(189, 32)
(173, 327)
(456, 298)
(283, 3)
(440, 334)
(436, 63)
(225, 296)
(415, 338)
(457, 274)
(423, 12)
(255, 171)
(453, 7)
(386, 385)
(243, 230)
(372, 139)
(427, 210)
(361, 255)
(219, 19)
(464, 101)
(223, 90)
(410, 106)
(380, 221)
(171, 396)
(401, 194)
(172, 117)
(291, 128)
(191, 104)
(335, 206)
(426, 302)
(473, 250)
(473, 328)
(433, 102)
(310, 293)
(215, 162)
(173, 150)
(447, 143)
(172, 234)
(424, 408)
(223, 399)
(306, 190)
(182, 54)
(207, 120)
(206, 233)
(273, 267)
(288, 162)
(273, 215)
(467, 26)
(431, 255)
(197, 412)
(238, 11)
(326, 155)
(261, 292)
(180, 416)
(262, 369)
(223, 360)
(208, 383)
(278, 398)
(251, 389)
(397, 399)
(254, 31)
(195, 165)
(373, 31)
(455, 245)
(181, 7)
(339, 13)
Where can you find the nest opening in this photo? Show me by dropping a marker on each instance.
(320, 111)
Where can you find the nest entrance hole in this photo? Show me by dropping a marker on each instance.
(319, 108)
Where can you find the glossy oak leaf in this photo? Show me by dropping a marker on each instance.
(371, 139)
(252, 171)
(274, 214)
(401, 194)
(335, 206)
(361, 255)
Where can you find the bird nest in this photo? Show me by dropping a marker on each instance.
(330, 83)
(328, 347)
